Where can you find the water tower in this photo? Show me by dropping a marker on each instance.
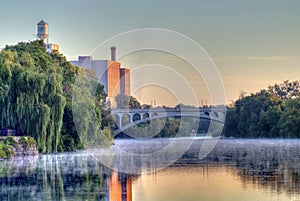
(42, 30)
(43, 34)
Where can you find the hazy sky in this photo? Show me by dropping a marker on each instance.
(253, 43)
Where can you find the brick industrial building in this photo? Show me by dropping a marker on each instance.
(110, 74)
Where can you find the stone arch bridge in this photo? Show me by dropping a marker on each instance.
(137, 116)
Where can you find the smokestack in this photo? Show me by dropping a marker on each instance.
(113, 53)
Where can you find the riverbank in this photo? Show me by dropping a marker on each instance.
(12, 146)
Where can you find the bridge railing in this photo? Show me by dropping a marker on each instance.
(167, 110)
(154, 113)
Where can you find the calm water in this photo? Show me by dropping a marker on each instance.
(236, 170)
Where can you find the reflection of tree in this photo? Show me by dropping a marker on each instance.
(272, 164)
(269, 164)
(271, 171)
(53, 177)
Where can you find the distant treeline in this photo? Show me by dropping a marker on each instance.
(270, 113)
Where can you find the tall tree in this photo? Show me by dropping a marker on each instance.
(33, 101)
(253, 110)
(36, 93)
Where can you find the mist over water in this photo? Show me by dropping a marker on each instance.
(235, 170)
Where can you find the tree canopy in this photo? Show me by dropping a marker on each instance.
(125, 101)
(269, 113)
(36, 90)
(32, 99)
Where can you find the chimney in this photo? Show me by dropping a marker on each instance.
(113, 53)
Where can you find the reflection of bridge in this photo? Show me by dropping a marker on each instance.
(126, 118)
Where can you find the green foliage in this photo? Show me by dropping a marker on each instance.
(36, 92)
(5, 150)
(125, 119)
(157, 128)
(171, 128)
(68, 143)
(124, 101)
(269, 113)
(286, 90)
(289, 123)
(134, 103)
(33, 101)
(84, 114)
(31, 141)
(107, 132)
(69, 131)
(27, 142)
(232, 122)
(83, 94)
(11, 141)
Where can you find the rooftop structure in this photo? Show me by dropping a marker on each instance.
(43, 34)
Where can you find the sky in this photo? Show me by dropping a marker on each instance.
(252, 43)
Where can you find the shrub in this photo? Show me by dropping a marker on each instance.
(11, 141)
(27, 143)
(5, 150)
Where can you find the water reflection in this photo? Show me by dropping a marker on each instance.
(235, 170)
(120, 187)
(269, 164)
(53, 177)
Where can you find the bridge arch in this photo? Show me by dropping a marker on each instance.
(136, 117)
(146, 116)
(206, 113)
(125, 119)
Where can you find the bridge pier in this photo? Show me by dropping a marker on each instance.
(131, 117)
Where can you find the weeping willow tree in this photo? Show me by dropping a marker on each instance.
(36, 92)
(85, 111)
(31, 96)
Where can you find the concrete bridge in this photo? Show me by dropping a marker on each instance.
(137, 116)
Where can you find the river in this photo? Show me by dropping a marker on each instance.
(236, 169)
